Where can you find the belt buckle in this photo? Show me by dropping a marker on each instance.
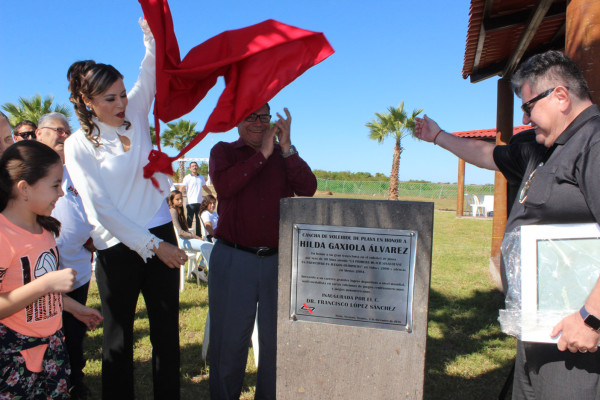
(262, 251)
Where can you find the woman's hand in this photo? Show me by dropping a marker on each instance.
(148, 36)
(171, 255)
(145, 27)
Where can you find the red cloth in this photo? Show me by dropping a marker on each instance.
(256, 62)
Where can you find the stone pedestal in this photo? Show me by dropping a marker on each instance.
(317, 360)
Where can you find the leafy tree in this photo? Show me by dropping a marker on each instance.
(33, 108)
(397, 124)
(349, 176)
(203, 169)
(178, 136)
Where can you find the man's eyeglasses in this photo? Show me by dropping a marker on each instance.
(528, 106)
(60, 131)
(264, 118)
(26, 135)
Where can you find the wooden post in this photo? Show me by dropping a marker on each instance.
(582, 39)
(460, 190)
(504, 130)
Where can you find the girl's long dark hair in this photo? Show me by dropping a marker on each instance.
(180, 215)
(29, 161)
(206, 201)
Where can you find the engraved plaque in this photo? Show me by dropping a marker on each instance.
(353, 276)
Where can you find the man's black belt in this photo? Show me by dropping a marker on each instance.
(258, 251)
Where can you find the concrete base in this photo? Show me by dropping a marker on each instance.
(327, 361)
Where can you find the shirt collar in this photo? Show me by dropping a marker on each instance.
(104, 128)
(238, 144)
(587, 114)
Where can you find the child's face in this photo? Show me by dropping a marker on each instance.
(42, 195)
(178, 201)
(211, 206)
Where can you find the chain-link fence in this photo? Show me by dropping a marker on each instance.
(405, 189)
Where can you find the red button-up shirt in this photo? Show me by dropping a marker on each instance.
(249, 188)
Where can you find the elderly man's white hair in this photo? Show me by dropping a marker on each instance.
(52, 115)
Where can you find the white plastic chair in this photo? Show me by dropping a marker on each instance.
(488, 204)
(476, 205)
(192, 265)
(206, 249)
(203, 229)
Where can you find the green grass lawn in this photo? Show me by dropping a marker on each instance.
(468, 357)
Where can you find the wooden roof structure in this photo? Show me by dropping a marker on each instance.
(501, 33)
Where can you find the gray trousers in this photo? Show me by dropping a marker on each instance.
(238, 281)
(543, 372)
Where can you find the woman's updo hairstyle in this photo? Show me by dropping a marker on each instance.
(29, 161)
(90, 79)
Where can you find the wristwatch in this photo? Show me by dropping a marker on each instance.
(290, 152)
(590, 319)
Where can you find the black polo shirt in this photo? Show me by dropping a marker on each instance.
(566, 188)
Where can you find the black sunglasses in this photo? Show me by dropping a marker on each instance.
(527, 107)
(25, 135)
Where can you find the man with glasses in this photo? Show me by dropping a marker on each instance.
(250, 176)
(24, 130)
(74, 245)
(559, 176)
(5, 133)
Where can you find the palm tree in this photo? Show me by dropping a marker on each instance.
(397, 124)
(153, 135)
(178, 136)
(32, 109)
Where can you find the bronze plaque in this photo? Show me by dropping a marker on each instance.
(353, 276)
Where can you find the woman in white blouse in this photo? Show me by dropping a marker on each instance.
(133, 232)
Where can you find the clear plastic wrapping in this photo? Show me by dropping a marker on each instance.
(550, 271)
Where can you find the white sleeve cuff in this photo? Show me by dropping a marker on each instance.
(146, 251)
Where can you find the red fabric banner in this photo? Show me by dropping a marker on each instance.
(256, 62)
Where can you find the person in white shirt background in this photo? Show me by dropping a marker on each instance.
(194, 183)
(74, 245)
(137, 247)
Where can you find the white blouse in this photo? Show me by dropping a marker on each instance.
(119, 201)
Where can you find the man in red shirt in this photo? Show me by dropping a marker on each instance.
(250, 176)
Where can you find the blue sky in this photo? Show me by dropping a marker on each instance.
(386, 52)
